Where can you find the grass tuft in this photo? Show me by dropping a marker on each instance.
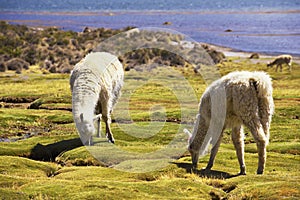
(72, 172)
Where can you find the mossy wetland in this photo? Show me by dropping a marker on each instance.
(36, 118)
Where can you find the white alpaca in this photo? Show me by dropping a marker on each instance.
(280, 60)
(95, 83)
(240, 98)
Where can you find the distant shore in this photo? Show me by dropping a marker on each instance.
(57, 51)
(226, 50)
(261, 31)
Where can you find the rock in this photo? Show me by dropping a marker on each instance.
(127, 68)
(47, 64)
(254, 56)
(3, 67)
(52, 69)
(216, 56)
(17, 64)
(167, 23)
(5, 57)
(35, 104)
(87, 30)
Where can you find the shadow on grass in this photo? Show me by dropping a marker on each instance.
(206, 173)
(51, 151)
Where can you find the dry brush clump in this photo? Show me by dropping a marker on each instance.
(52, 49)
(138, 47)
(57, 51)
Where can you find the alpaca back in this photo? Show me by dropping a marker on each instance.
(282, 59)
(97, 73)
(102, 66)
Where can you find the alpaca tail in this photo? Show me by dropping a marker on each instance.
(264, 89)
(265, 92)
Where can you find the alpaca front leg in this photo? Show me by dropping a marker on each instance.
(280, 67)
(98, 118)
(195, 158)
(90, 142)
(213, 154)
(290, 67)
(99, 128)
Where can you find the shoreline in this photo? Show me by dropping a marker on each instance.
(148, 12)
(230, 52)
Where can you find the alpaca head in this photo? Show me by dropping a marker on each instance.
(86, 128)
(194, 153)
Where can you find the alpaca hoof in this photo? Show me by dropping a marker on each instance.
(242, 170)
(110, 138)
(194, 165)
(242, 173)
(207, 170)
(193, 170)
(260, 172)
(111, 141)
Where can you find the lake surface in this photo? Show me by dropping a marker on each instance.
(263, 26)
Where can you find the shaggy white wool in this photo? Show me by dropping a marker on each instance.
(239, 98)
(95, 83)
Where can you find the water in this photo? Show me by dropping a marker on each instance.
(138, 5)
(264, 26)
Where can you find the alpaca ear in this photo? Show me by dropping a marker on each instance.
(81, 117)
(188, 133)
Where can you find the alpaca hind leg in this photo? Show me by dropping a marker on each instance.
(106, 111)
(262, 153)
(107, 119)
(99, 127)
(109, 134)
(261, 143)
(237, 137)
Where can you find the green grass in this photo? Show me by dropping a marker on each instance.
(153, 122)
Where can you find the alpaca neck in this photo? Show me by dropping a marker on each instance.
(84, 99)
